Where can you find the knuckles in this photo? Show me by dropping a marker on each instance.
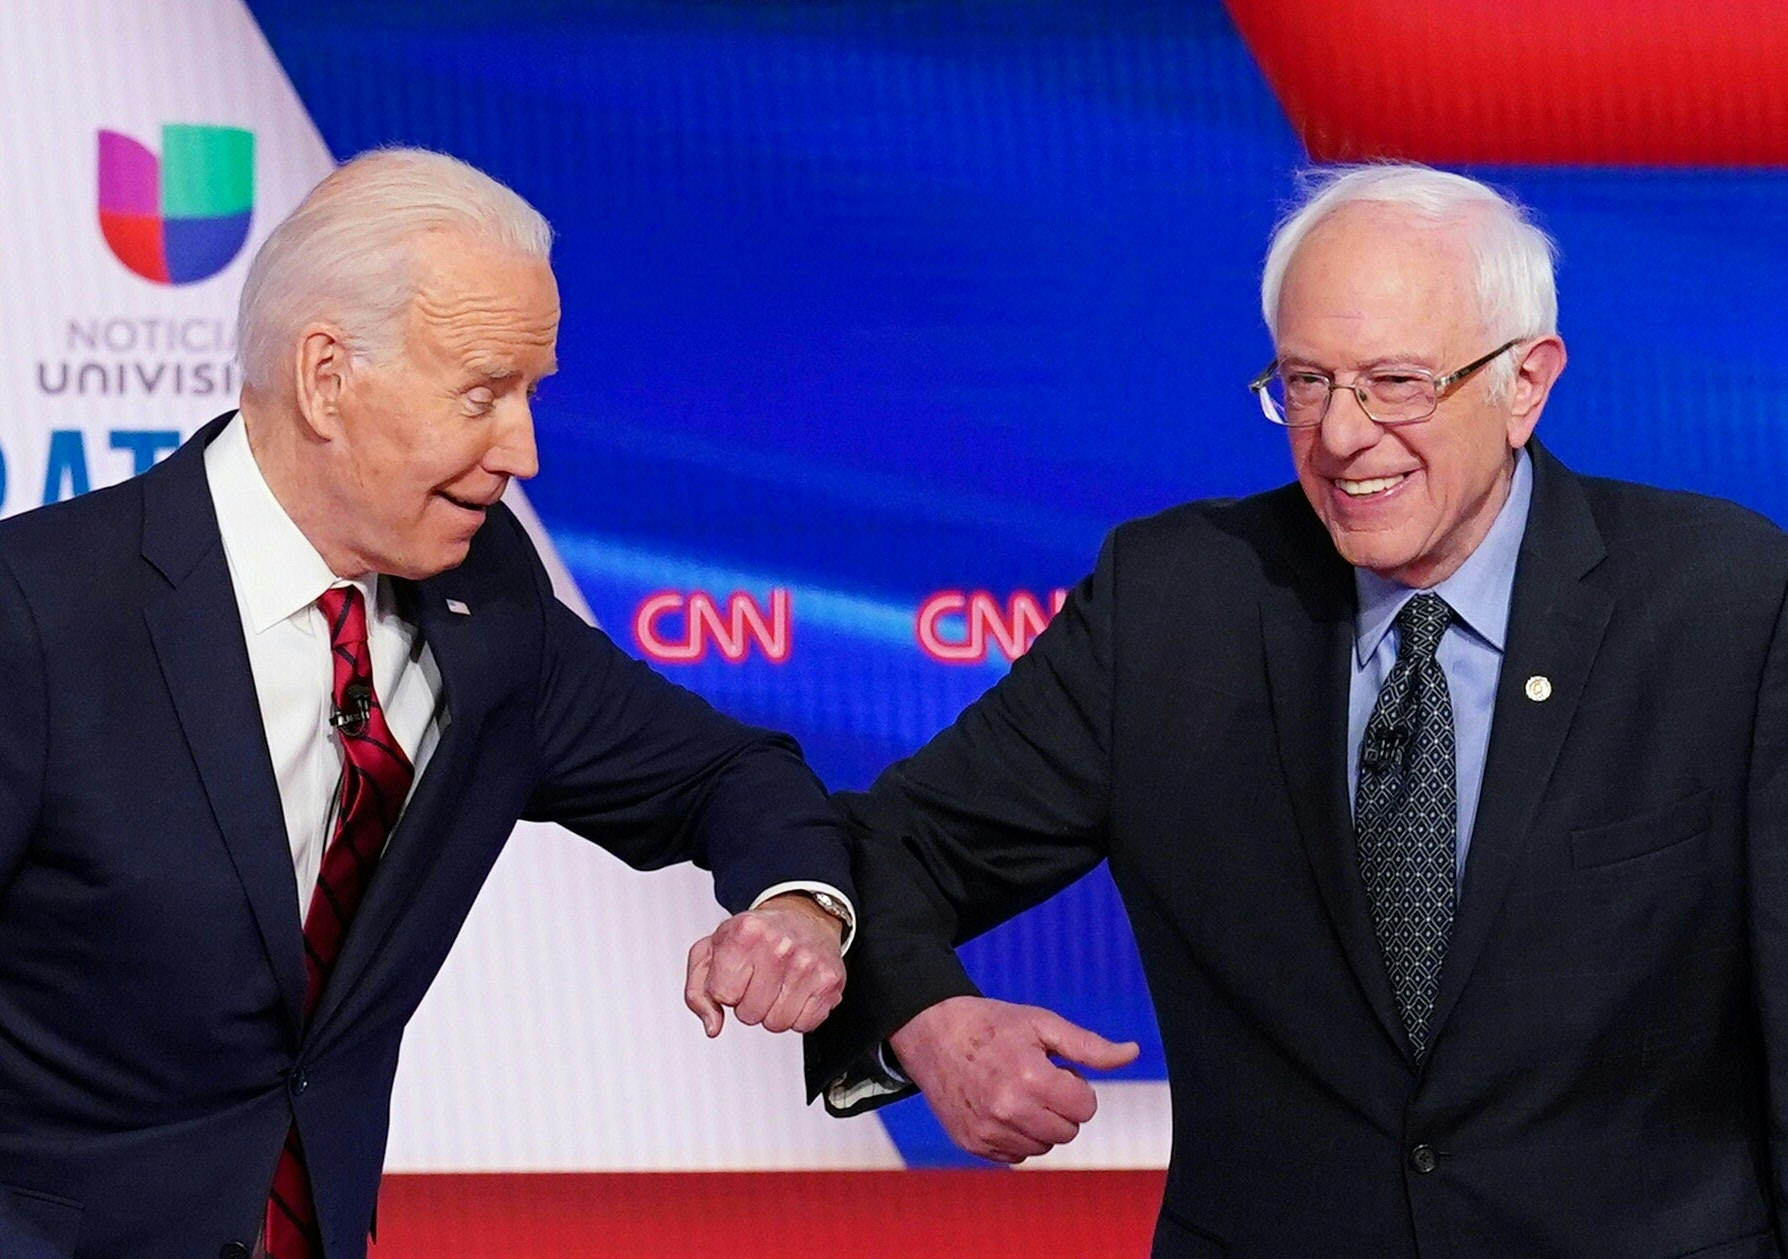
(1004, 1107)
(753, 946)
(741, 932)
(753, 933)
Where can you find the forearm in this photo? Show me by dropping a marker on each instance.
(901, 963)
(764, 824)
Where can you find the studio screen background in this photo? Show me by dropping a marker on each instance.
(877, 316)
(873, 303)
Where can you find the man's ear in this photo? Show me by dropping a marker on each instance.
(321, 362)
(1536, 368)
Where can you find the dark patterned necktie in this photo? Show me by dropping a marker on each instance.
(375, 780)
(1406, 815)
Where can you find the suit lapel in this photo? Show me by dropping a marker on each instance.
(1307, 627)
(197, 632)
(461, 657)
(1556, 622)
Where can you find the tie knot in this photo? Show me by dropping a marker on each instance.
(1421, 623)
(345, 610)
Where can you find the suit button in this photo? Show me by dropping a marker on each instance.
(1424, 1159)
(233, 1250)
(298, 1082)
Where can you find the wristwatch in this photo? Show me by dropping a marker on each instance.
(832, 905)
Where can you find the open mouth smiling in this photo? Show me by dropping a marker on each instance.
(1370, 487)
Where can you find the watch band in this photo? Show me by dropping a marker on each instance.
(834, 906)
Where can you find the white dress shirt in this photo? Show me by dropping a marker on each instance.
(278, 577)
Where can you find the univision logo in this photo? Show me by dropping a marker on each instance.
(182, 217)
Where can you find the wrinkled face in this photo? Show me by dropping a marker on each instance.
(1367, 289)
(428, 439)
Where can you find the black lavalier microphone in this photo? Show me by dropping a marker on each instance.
(356, 708)
(1384, 746)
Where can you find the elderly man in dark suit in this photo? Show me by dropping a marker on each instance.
(274, 708)
(1447, 792)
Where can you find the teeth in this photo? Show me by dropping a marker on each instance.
(1359, 489)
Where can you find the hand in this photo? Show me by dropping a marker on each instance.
(778, 965)
(985, 1068)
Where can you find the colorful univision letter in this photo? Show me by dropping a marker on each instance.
(182, 218)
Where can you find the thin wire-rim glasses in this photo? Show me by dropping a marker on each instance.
(1401, 395)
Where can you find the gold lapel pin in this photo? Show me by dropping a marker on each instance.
(1539, 688)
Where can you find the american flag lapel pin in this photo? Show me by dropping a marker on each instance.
(457, 608)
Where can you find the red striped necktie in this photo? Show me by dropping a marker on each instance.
(375, 780)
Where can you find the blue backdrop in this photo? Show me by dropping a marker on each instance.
(869, 301)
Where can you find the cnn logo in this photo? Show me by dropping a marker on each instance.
(672, 627)
(955, 627)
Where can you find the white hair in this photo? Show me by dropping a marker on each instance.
(1517, 295)
(346, 254)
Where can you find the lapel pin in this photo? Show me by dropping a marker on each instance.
(1539, 688)
(459, 609)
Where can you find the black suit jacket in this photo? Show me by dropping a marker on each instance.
(1605, 1074)
(152, 1049)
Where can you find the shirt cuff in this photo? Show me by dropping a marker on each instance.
(850, 928)
(846, 1094)
(884, 1058)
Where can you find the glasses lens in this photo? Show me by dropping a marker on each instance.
(1399, 397)
(1300, 396)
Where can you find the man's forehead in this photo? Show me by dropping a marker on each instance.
(451, 270)
(491, 330)
(1369, 274)
(520, 284)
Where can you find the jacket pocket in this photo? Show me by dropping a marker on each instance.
(34, 1224)
(1650, 832)
(1178, 1238)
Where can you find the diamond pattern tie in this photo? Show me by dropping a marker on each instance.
(375, 780)
(1406, 815)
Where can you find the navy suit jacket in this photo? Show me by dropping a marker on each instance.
(1607, 1075)
(152, 1051)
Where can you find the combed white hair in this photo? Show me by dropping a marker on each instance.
(346, 255)
(1517, 294)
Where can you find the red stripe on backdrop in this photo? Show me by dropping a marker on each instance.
(770, 1215)
(1614, 82)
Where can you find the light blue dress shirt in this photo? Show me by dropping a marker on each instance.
(1470, 653)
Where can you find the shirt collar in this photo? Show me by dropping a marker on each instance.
(276, 571)
(1479, 592)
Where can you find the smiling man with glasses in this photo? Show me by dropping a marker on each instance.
(1447, 791)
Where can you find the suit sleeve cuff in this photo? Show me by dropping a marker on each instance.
(781, 889)
(874, 1081)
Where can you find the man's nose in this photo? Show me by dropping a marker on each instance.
(1346, 429)
(513, 454)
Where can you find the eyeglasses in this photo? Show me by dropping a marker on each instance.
(1299, 397)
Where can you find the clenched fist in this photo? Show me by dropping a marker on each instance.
(779, 965)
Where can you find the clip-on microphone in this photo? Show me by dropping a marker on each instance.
(1384, 746)
(356, 709)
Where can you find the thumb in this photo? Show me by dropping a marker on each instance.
(1069, 1041)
